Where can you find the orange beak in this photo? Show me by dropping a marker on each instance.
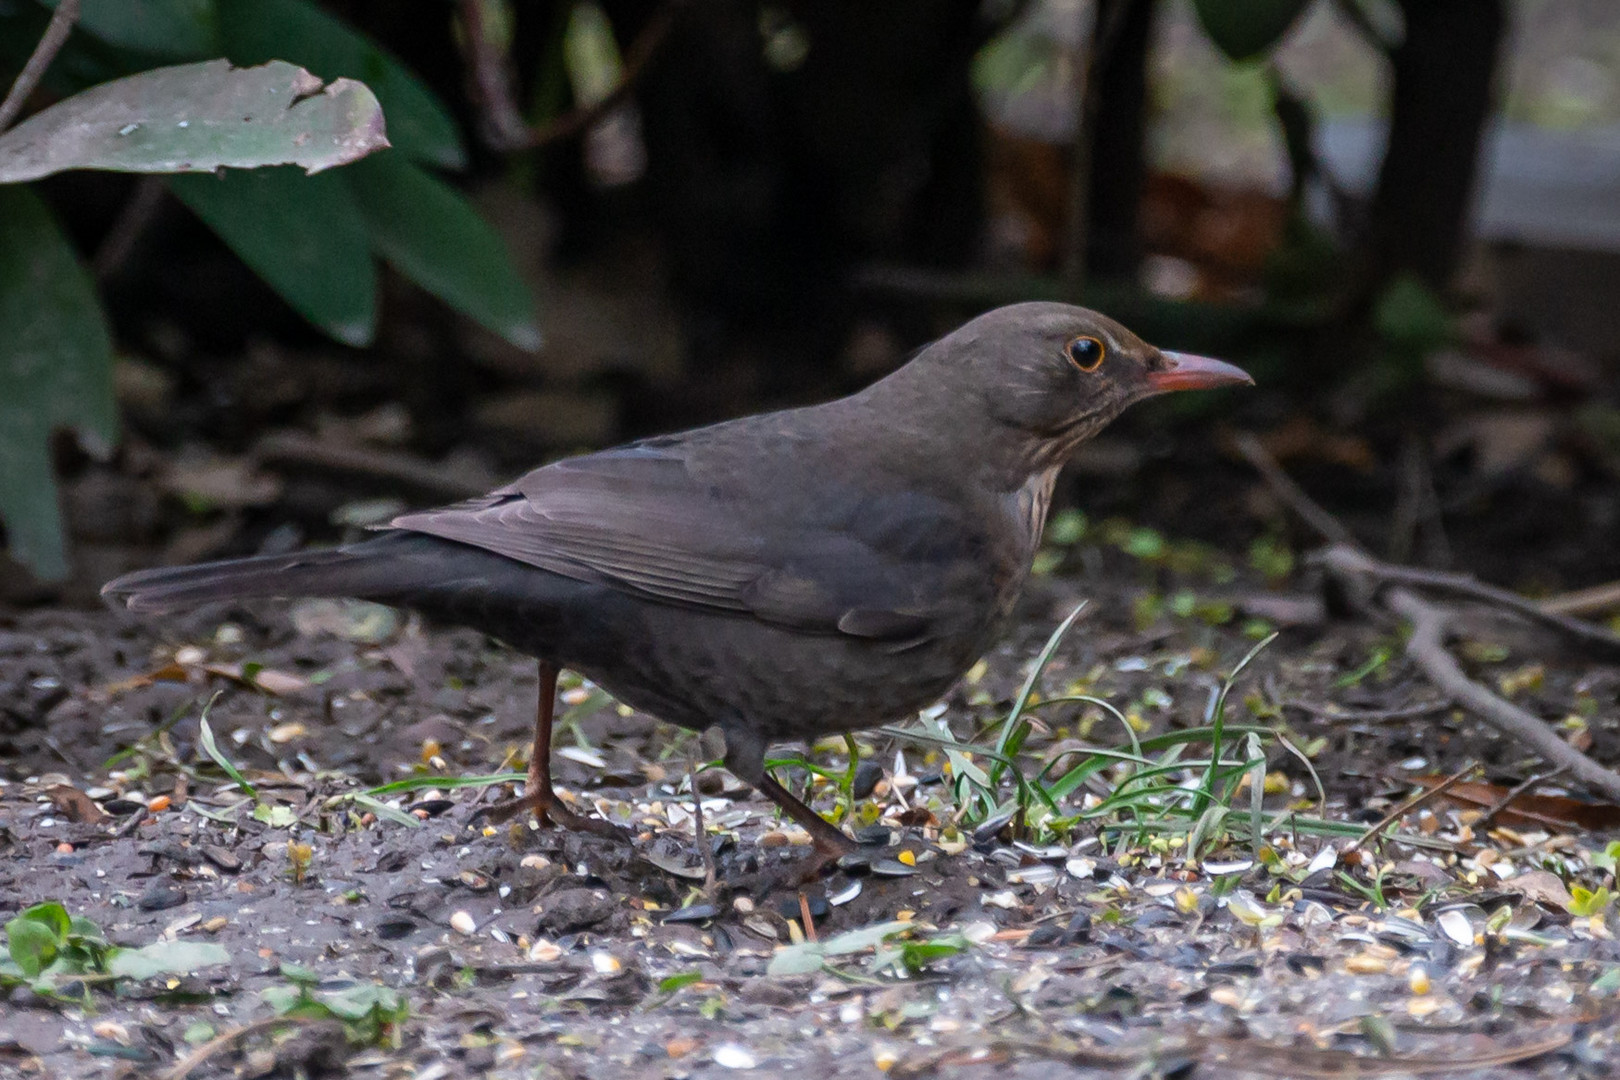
(1188, 372)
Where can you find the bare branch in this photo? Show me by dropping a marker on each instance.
(1427, 649)
(50, 43)
(503, 123)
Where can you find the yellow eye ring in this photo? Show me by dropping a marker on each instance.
(1086, 353)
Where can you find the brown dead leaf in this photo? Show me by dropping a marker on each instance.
(1557, 812)
(1541, 886)
(166, 673)
(76, 806)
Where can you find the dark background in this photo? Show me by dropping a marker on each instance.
(1402, 219)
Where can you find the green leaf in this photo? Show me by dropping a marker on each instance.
(196, 118)
(364, 1000)
(256, 31)
(1411, 317)
(275, 815)
(1588, 902)
(165, 958)
(443, 783)
(170, 29)
(51, 915)
(205, 738)
(302, 234)
(1244, 29)
(298, 973)
(383, 810)
(55, 372)
(31, 945)
(866, 937)
(679, 982)
(431, 234)
(802, 959)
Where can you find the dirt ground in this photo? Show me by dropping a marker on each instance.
(524, 952)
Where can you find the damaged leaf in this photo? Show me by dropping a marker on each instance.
(198, 118)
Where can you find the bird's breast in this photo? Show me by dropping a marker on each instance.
(1024, 512)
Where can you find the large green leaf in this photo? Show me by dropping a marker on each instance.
(197, 118)
(1244, 29)
(55, 372)
(302, 234)
(165, 958)
(256, 31)
(431, 234)
(171, 29)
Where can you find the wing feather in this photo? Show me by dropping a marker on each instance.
(639, 519)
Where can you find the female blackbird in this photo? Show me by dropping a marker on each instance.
(781, 576)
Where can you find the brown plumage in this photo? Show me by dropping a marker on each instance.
(779, 576)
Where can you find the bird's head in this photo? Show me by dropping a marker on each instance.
(1057, 374)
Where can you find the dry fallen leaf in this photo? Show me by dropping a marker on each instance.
(76, 805)
(1542, 886)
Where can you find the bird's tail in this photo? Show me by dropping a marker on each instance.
(368, 569)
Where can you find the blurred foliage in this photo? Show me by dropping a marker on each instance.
(1248, 29)
(313, 239)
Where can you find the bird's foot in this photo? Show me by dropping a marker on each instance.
(546, 810)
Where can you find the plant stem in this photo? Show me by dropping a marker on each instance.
(50, 43)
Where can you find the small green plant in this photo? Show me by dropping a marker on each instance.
(1588, 902)
(894, 948)
(54, 953)
(371, 1014)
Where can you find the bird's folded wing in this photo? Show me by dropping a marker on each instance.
(638, 520)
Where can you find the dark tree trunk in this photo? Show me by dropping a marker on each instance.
(1118, 162)
(1443, 95)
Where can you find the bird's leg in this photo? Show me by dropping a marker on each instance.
(745, 757)
(538, 795)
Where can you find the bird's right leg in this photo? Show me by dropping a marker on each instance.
(538, 795)
(745, 757)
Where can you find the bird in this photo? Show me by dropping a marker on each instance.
(781, 576)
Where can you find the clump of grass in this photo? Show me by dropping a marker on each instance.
(1157, 790)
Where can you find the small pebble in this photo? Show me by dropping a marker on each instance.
(733, 1056)
(544, 952)
(462, 922)
(161, 895)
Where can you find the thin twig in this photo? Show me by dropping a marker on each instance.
(1595, 639)
(297, 448)
(132, 221)
(504, 126)
(804, 918)
(1406, 806)
(1518, 789)
(50, 43)
(700, 832)
(500, 119)
(1593, 601)
(1293, 496)
(1326, 710)
(200, 1056)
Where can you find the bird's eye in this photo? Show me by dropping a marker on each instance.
(1086, 353)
